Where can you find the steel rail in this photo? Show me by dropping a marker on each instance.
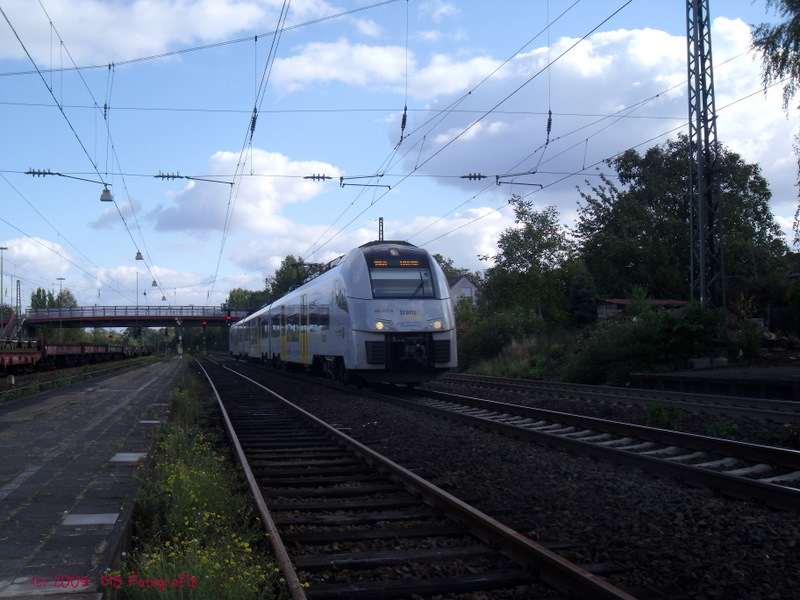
(552, 568)
(743, 406)
(777, 496)
(282, 555)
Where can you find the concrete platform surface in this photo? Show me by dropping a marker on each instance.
(71, 462)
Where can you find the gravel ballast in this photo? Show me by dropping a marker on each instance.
(669, 540)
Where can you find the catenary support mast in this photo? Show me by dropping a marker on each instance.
(707, 252)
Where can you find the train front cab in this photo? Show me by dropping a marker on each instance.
(408, 332)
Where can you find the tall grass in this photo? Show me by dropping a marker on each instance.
(196, 534)
(526, 358)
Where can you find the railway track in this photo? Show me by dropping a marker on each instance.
(353, 524)
(750, 471)
(779, 411)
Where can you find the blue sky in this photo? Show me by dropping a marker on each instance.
(180, 80)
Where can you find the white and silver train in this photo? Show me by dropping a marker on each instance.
(381, 313)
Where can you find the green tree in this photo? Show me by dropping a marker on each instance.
(242, 299)
(65, 299)
(529, 272)
(582, 298)
(779, 48)
(636, 232)
(290, 274)
(449, 269)
(41, 298)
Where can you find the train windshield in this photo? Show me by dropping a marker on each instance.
(389, 282)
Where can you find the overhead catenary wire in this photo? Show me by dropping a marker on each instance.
(404, 119)
(625, 112)
(202, 47)
(53, 227)
(428, 126)
(61, 256)
(105, 108)
(59, 103)
(597, 163)
(500, 102)
(372, 198)
(259, 97)
(621, 114)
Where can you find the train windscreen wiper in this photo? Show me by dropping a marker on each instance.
(420, 287)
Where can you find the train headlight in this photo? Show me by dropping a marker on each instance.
(378, 325)
(435, 323)
(381, 325)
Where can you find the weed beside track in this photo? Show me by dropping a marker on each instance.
(195, 533)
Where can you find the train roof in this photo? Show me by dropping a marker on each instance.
(338, 260)
(387, 242)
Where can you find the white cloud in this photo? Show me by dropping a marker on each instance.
(132, 284)
(438, 10)
(95, 30)
(444, 75)
(368, 27)
(376, 67)
(109, 217)
(256, 201)
(342, 61)
(264, 254)
(463, 237)
(46, 258)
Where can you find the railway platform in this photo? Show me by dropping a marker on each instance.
(71, 462)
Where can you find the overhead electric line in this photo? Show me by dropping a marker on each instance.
(206, 46)
(429, 125)
(260, 93)
(488, 112)
(60, 106)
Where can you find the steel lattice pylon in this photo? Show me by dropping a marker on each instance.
(707, 248)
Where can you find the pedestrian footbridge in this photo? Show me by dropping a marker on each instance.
(132, 316)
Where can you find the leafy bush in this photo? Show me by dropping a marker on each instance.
(485, 338)
(723, 428)
(654, 341)
(521, 359)
(746, 336)
(664, 416)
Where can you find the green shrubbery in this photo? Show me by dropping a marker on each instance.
(664, 416)
(653, 341)
(516, 343)
(486, 337)
(724, 428)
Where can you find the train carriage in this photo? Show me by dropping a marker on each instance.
(382, 312)
(25, 355)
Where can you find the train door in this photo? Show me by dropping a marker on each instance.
(304, 326)
(259, 340)
(283, 333)
(252, 341)
(269, 332)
